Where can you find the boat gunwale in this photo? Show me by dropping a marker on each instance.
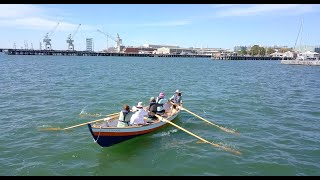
(151, 125)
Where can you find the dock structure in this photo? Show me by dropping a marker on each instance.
(91, 53)
(249, 58)
(301, 62)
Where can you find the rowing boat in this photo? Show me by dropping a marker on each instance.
(107, 133)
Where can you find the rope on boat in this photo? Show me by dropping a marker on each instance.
(107, 121)
(98, 135)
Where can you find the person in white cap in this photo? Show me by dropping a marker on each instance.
(138, 117)
(176, 98)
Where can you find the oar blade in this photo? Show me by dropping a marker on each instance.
(228, 149)
(113, 115)
(49, 129)
(229, 130)
(89, 115)
(200, 138)
(222, 128)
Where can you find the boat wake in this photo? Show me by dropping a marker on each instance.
(162, 134)
(83, 110)
(83, 113)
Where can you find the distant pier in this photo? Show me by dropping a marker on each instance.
(250, 58)
(301, 62)
(89, 53)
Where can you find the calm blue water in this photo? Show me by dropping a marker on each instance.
(275, 107)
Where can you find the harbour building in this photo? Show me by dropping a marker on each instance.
(89, 44)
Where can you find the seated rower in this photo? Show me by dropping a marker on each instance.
(138, 117)
(124, 116)
(177, 100)
(160, 101)
(152, 109)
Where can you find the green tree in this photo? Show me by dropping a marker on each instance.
(262, 51)
(254, 50)
(283, 50)
(270, 51)
(243, 52)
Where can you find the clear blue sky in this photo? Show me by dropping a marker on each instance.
(185, 25)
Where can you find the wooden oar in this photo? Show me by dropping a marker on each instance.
(95, 115)
(78, 125)
(222, 128)
(213, 144)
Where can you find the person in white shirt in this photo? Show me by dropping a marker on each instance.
(138, 117)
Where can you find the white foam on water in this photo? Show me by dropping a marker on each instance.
(162, 134)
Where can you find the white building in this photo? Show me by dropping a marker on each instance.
(89, 44)
(159, 46)
(209, 51)
(202, 51)
(288, 54)
(166, 50)
(308, 55)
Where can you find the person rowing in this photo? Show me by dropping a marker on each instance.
(124, 116)
(138, 117)
(160, 102)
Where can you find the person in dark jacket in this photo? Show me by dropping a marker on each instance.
(152, 109)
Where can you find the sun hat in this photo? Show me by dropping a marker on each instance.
(161, 95)
(152, 99)
(178, 91)
(139, 105)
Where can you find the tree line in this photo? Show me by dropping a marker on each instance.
(261, 51)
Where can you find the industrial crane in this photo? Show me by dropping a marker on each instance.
(118, 40)
(70, 39)
(47, 39)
